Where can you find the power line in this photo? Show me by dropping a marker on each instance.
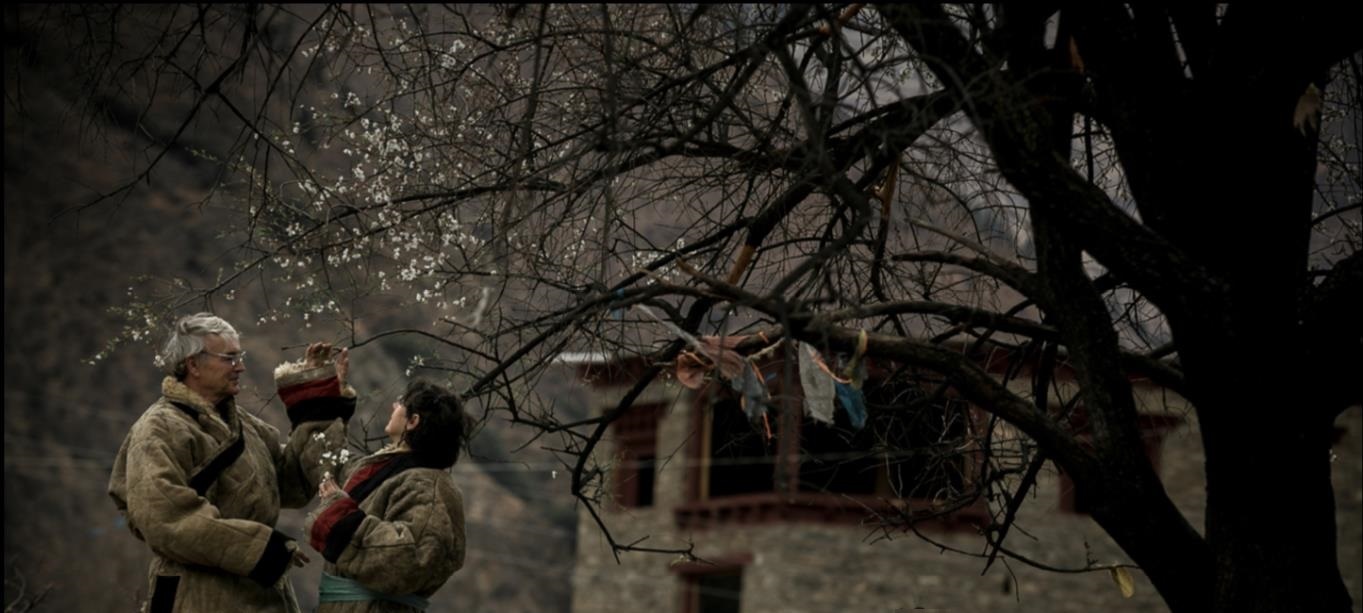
(552, 469)
(89, 453)
(577, 571)
(26, 462)
(545, 531)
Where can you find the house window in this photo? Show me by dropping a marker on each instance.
(635, 477)
(908, 448)
(741, 459)
(717, 592)
(636, 434)
(912, 452)
(836, 459)
(715, 586)
(645, 471)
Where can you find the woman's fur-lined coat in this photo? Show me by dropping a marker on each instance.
(410, 540)
(218, 551)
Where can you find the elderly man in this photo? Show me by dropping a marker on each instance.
(202, 482)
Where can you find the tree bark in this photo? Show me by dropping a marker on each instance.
(1270, 502)
(1223, 181)
(1134, 509)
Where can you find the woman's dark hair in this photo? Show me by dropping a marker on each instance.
(440, 434)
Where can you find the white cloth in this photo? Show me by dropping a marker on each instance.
(817, 385)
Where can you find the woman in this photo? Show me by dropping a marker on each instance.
(395, 532)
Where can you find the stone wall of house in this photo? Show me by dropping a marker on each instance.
(817, 567)
(1348, 475)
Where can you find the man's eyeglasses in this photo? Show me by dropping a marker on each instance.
(232, 358)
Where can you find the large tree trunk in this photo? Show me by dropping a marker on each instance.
(1270, 500)
(1236, 195)
(1223, 181)
(1137, 513)
(1270, 524)
(1270, 504)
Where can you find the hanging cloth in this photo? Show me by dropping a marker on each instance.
(849, 392)
(752, 392)
(853, 402)
(817, 384)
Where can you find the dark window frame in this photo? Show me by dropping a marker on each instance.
(783, 500)
(692, 574)
(634, 479)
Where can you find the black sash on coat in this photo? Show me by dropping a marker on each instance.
(209, 474)
(365, 488)
(338, 537)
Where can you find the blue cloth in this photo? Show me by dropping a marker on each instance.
(344, 589)
(853, 402)
(753, 390)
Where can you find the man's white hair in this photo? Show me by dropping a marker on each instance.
(187, 340)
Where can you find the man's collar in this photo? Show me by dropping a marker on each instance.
(176, 391)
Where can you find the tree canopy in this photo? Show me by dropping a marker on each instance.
(1169, 192)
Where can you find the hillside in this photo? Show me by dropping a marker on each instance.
(67, 270)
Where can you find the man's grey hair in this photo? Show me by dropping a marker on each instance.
(187, 340)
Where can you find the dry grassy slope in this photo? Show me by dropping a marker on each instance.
(64, 419)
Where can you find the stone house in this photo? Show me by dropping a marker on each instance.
(789, 513)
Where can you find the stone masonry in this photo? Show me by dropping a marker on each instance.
(814, 567)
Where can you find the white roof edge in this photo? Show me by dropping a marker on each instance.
(583, 357)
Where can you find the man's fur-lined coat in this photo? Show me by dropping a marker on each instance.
(218, 551)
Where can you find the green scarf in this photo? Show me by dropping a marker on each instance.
(344, 589)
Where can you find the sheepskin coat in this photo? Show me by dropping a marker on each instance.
(406, 537)
(216, 549)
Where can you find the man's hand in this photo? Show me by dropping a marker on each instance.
(300, 559)
(342, 366)
(319, 352)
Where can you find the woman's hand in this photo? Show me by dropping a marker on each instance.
(328, 488)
